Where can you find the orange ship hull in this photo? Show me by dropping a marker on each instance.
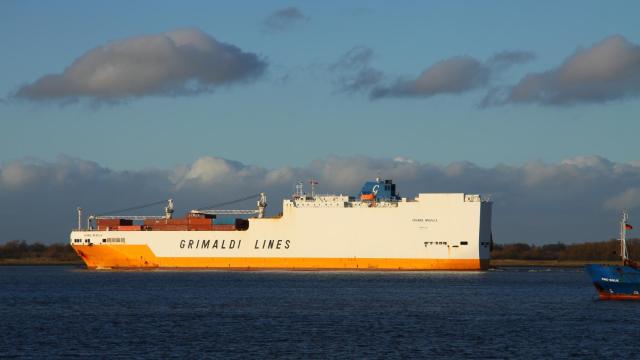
(141, 257)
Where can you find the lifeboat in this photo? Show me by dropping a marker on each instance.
(367, 197)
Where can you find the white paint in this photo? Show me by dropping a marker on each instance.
(432, 226)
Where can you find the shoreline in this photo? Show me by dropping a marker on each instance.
(548, 263)
(38, 262)
(493, 264)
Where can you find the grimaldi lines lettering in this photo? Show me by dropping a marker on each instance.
(210, 244)
(233, 244)
(272, 244)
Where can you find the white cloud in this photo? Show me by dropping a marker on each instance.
(178, 62)
(608, 70)
(594, 162)
(207, 170)
(453, 75)
(16, 175)
(574, 200)
(450, 76)
(628, 199)
(283, 175)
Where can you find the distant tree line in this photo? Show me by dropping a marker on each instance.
(603, 250)
(19, 249)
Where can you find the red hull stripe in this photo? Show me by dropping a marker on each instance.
(608, 296)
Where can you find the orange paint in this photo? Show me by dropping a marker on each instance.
(141, 256)
(129, 227)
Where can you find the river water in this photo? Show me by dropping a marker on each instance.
(526, 313)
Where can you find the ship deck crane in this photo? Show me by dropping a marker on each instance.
(168, 211)
(224, 212)
(262, 204)
(168, 214)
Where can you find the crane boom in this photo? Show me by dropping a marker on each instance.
(129, 217)
(224, 212)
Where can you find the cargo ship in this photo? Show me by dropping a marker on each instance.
(374, 230)
(618, 282)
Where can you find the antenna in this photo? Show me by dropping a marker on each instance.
(313, 187)
(623, 236)
(299, 190)
(79, 218)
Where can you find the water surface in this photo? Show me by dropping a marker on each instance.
(67, 312)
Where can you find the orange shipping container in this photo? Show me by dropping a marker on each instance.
(199, 222)
(166, 222)
(200, 227)
(154, 221)
(225, 227)
(169, 227)
(129, 227)
(177, 221)
(112, 224)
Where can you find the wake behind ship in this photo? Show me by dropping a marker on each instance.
(376, 230)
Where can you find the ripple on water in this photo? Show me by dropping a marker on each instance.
(506, 313)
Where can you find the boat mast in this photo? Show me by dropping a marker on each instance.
(623, 237)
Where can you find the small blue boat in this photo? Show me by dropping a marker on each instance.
(618, 282)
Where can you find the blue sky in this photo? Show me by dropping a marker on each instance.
(272, 122)
(535, 103)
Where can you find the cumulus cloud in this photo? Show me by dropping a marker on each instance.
(284, 19)
(628, 199)
(354, 71)
(211, 170)
(578, 199)
(180, 62)
(17, 175)
(450, 76)
(608, 70)
(453, 75)
(21, 175)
